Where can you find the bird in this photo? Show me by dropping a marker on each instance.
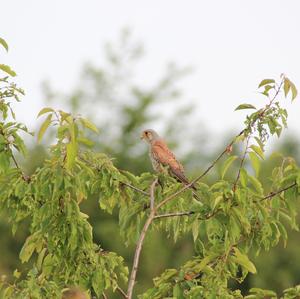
(74, 293)
(161, 156)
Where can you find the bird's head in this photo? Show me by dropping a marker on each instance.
(149, 135)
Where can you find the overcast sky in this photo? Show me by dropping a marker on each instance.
(232, 45)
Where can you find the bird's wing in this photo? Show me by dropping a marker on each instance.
(163, 155)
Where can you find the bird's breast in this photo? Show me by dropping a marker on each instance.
(155, 164)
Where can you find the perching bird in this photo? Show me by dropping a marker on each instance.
(161, 156)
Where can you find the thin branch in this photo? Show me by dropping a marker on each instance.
(220, 155)
(139, 248)
(104, 296)
(137, 254)
(241, 165)
(272, 194)
(122, 292)
(202, 175)
(152, 189)
(135, 188)
(177, 214)
(123, 183)
(25, 177)
(15, 161)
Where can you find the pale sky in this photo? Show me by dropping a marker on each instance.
(232, 45)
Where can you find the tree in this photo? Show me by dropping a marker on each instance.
(232, 216)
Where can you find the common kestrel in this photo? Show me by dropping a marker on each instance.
(161, 156)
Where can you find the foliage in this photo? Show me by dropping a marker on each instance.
(230, 218)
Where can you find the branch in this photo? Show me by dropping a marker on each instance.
(202, 175)
(123, 183)
(135, 188)
(122, 292)
(152, 189)
(178, 214)
(25, 177)
(15, 161)
(139, 245)
(272, 194)
(221, 154)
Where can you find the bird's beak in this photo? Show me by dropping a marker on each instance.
(142, 136)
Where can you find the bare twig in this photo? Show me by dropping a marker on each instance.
(15, 161)
(139, 246)
(152, 189)
(178, 214)
(122, 183)
(135, 188)
(202, 175)
(122, 292)
(272, 194)
(104, 296)
(25, 177)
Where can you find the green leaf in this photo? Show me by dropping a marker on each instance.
(262, 294)
(45, 110)
(98, 282)
(244, 106)
(227, 164)
(258, 150)
(41, 258)
(89, 125)
(217, 200)
(195, 229)
(243, 260)
(243, 177)
(86, 141)
(48, 264)
(4, 43)
(27, 249)
(7, 294)
(17, 274)
(259, 142)
(44, 127)
(294, 90)
(255, 162)
(177, 292)
(5, 68)
(256, 184)
(265, 82)
(286, 86)
(72, 149)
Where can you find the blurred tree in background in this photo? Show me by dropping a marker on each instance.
(112, 97)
